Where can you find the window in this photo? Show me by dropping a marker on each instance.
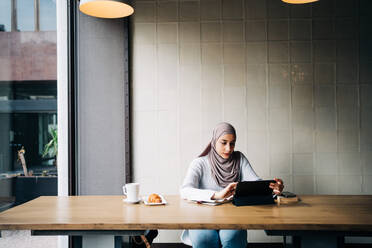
(28, 100)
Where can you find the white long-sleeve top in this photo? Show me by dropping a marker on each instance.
(199, 184)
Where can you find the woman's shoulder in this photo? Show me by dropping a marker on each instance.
(243, 158)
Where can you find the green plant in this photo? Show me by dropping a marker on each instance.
(51, 148)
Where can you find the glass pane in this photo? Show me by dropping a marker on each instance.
(25, 15)
(28, 111)
(47, 15)
(5, 15)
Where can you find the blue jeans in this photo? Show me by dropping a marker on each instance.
(218, 238)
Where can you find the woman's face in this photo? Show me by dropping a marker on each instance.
(225, 145)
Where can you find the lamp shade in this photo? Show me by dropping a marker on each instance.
(106, 8)
(299, 1)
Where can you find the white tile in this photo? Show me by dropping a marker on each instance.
(189, 100)
(347, 95)
(325, 118)
(365, 139)
(145, 12)
(347, 73)
(324, 96)
(279, 96)
(257, 142)
(189, 32)
(144, 100)
(278, 51)
(302, 96)
(324, 73)
(256, 74)
(325, 141)
(302, 118)
(259, 163)
(323, 29)
(210, 9)
(323, 9)
(279, 142)
(326, 185)
(190, 77)
(234, 98)
(365, 96)
(233, 31)
(277, 9)
(346, 28)
(234, 53)
(211, 32)
(167, 99)
(302, 140)
(255, 9)
(167, 55)
(256, 96)
(211, 53)
(279, 74)
(189, 10)
(232, 9)
(167, 77)
(347, 51)
(167, 11)
(302, 73)
(278, 30)
(365, 72)
(326, 164)
(280, 164)
(144, 33)
(279, 118)
(212, 76)
(324, 51)
(300, 51)
(255, 30)
(348, 118)
(366, 160)
(256, 52)
(303, 164)
(167, 32)
(350, 164)
(304, 184)
(190, 54)
(257, 118)
(212, 100)
(350, 185)
(300, 10)
(367, 185)
(234, 75)
(300, 29)
(366, 117)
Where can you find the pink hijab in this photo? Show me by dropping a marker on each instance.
(224, 171)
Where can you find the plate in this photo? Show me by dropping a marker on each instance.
(145, 198)
(131, 202)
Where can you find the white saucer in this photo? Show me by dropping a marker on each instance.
(131, 202)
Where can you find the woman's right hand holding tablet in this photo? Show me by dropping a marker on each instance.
(228, 191)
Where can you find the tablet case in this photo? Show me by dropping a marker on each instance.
(250, 193)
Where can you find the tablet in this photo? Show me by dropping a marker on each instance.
(249, 188)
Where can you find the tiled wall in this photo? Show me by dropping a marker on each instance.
(295, 81)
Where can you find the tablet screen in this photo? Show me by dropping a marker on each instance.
(248, 188)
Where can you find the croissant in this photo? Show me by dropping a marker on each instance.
(154, 198)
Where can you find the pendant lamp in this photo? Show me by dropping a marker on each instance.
(299, 1)
(106, 8)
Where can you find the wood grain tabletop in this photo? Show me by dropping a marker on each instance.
(325, 212)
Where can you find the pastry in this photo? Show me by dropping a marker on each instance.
(154, 198)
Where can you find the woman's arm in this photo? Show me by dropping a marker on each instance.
(248, 174)
(190, 188)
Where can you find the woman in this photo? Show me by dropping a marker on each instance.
(214, 176)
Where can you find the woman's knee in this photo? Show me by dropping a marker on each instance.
(204, 238)
(233, 238)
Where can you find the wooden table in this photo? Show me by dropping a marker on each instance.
(319, 220)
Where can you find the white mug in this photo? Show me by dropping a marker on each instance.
(131, 190)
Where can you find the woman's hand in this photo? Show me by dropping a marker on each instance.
(228, 191)
(278, 186)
